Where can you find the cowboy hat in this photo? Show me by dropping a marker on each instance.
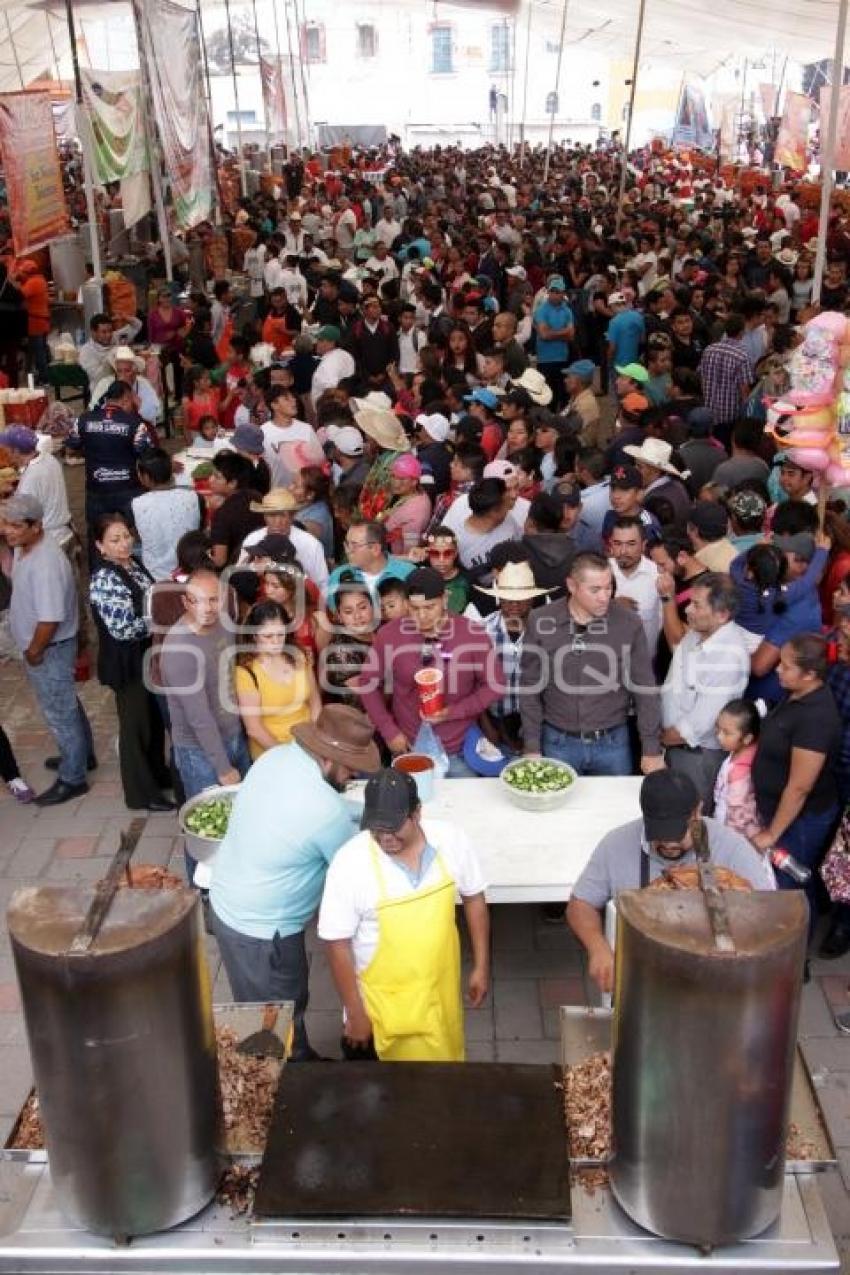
(383, 428)
(535, 385)
(375, 398)
(123, 354)
(340, 734)
(654, 452)
(279, 500)
(787, 257)
(514, 583)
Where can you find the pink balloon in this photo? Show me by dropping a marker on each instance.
(809, 458)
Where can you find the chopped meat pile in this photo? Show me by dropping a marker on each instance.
(587, 1106)
(150, 876)
(236, 1189)
(688, 879)
(247, 1087)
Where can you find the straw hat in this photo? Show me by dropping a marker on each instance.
(123, 354)
(787, 257)
(654, 452)
(341, 734)
(535, 385)
(383, 428)
(279, 500)
(514, 583)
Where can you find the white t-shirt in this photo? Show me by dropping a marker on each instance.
(458, 512)
(350, 901)
(274, 436)
(640, 586)
(308, 551)
(44, 479)
(161, 518)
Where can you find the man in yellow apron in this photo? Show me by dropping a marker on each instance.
(388, 918)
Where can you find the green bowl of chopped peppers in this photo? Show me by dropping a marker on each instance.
(538, 783)
(203, 820)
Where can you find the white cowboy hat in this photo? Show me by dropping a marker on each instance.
(787, 257)
(535, 385)
(654, 452)
(374, 399)
(123, 354)
(514, 583)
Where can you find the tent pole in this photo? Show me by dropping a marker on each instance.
(94, 230)
(53, 47)
(14, 50)
(262, 89)
(206, 61)
(301, 24)
(512, 112)
(241, 157)
(213, 158)
(632, 94)
(525, 81)
(827, 157)
(280, 73)
(557, 88)
(292, 73)
(153, 150)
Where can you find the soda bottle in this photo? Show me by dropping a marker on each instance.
(785, 862)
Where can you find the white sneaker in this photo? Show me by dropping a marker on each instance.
(21, 791)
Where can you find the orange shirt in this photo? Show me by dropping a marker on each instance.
(37, 302)
(276, 333)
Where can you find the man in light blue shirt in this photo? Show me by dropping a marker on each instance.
(554, 325)
(625, 334)
(287, 823)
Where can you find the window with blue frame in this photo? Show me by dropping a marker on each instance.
(500, 48)
(441, 50)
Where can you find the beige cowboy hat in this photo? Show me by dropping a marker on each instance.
(384, 428)
(514, 583)
(654, 452)
(375, 398)
(535, 385)
(123, 354)
(341, 734)
(279, 500)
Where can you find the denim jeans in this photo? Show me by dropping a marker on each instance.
(197, 772)
(40, 357)
(53, 683)
(807, 840)
(267, 970)
(611, 754)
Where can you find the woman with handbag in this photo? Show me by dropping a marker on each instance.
(118, 596)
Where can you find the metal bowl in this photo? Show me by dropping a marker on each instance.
(204, 849)
(537, 800)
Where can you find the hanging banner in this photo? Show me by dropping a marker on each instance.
(37, 207)
(768, 95)
(692, 127)
(841, 161)
(115, 136)
(793, 136)
(172, 51)
(274, 98)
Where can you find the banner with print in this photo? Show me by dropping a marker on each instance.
(113, 131)
(171, 48)
(692, 127)
(792, 139)
(841, 159)
(274, 98)
(37, 208)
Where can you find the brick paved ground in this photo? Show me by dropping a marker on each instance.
(536, 967)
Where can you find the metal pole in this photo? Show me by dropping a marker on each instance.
(94, 230)
(292, 72)
(301, 25)
(14, 50)
(206, 61)
(557, 87)
(153, 149)
(632, 93)
(241, 155)
(827, 158)
(525, 81)
(743, 101)
(53, 47)
(262, 89)
(512, 112)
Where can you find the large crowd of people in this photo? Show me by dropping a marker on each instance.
(475, 422)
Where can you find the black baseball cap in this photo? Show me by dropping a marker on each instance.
(710, 519)
(391, 797)
(668, 799)
(626, 478)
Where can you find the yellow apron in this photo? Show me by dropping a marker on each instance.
(411, 987)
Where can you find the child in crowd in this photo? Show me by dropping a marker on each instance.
(737, 732)
(442, 557)
(209, 432)
(393, 598)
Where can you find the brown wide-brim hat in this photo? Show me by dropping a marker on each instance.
(341, 734)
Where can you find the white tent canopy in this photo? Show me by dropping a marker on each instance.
(693, 35)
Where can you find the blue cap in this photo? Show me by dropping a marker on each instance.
(583, 368)
(489, 767)
(556, 284)
(483, 395)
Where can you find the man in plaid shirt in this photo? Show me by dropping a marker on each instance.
(515, 590)
(726, 378)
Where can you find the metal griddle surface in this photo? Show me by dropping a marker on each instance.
(473, 1140)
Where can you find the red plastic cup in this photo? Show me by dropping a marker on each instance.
(429, 682)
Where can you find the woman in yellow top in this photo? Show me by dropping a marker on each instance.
(275, 686)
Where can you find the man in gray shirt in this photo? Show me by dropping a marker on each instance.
(196, 673)
(43, 621)
(635, 854)
(583, 659)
